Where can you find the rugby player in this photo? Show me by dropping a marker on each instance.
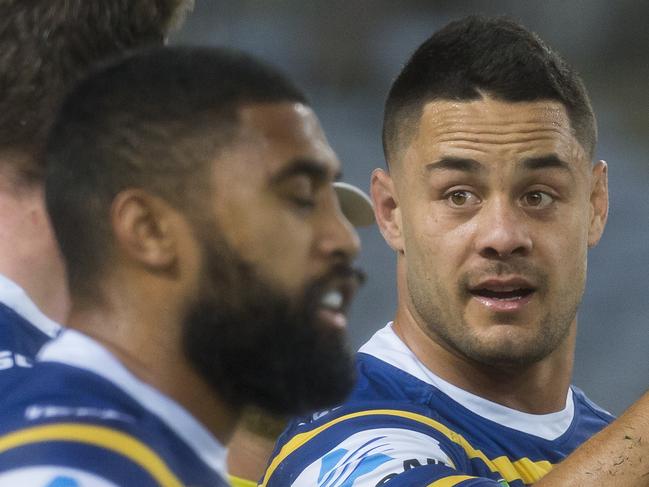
(210, 268)
(45, 46)
(491, 201)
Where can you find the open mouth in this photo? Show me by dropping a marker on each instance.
(505, 295)
(333, 300)
(510, 295)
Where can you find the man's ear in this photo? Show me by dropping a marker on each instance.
(144, 229)
(386, 209)
(598, 203)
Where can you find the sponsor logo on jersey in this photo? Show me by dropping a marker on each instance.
(407, 465)
(63, 482)
(50, 476)
(9, 359)
(364, 463)
(36, 412)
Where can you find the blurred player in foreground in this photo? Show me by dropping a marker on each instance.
(254, 439)
(45, 46)
(191, 192)
(491, 203)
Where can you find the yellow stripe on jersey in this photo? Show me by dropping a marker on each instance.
(524, 469)
(100, 436)
(451, 481)
(239, 482)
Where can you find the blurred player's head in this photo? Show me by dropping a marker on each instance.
(492, 200)
(205, 173)
(45, 47)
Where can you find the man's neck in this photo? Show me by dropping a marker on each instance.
(29, 254)
(145, 341)
(538, 388)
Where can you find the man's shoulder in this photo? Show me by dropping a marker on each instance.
(377, 439)
(65, 422)
(20, 339)
(57, 391)
(395, 422)
(24, 329)
(589, 417)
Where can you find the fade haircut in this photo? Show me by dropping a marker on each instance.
(156, 120)
(495, 56)
(47, 45)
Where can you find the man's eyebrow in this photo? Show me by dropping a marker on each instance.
(313, 168)
(546, 162)
(455, 164)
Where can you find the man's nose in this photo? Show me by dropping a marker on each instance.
(337, 236)
(502, 230)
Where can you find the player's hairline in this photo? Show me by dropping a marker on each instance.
(405, 122)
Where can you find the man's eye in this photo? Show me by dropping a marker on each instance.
(303, 202)
(300, 191)
(537, 199)
(462, 198)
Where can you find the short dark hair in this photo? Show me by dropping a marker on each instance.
(155, 120)
(47, 45)
(497, 56)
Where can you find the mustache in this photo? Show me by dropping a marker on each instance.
(344, 272)
(520, 268)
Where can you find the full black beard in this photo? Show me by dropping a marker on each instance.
(255, 346)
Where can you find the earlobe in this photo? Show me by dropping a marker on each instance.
(142, 229)
(598, 203)
(387, 209)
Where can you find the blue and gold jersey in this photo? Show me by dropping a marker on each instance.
(23, 329)
(79, 418)
(404, 426)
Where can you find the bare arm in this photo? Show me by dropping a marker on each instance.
(617, 455)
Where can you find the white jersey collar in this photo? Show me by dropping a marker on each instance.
(14, 297)
(76, 349)
(388, 347)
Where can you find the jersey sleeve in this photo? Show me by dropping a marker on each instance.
(371, 448)
(80, 455)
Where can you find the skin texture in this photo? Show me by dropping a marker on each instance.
(29, 254)
(303, 205)
(496, 195)
(33, 83)
(616, 456)
(284, 222)
(452, 229)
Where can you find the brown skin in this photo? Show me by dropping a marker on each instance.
(617, 456)
(157, 257)
(252, 444)
(452, 227)
(457, 225)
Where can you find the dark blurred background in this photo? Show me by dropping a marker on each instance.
(345, 53)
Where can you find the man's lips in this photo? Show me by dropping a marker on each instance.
(503, 294)
(336, 298)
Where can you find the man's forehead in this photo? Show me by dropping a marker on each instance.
(489, 115)
(449, 127)
(286, 132)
